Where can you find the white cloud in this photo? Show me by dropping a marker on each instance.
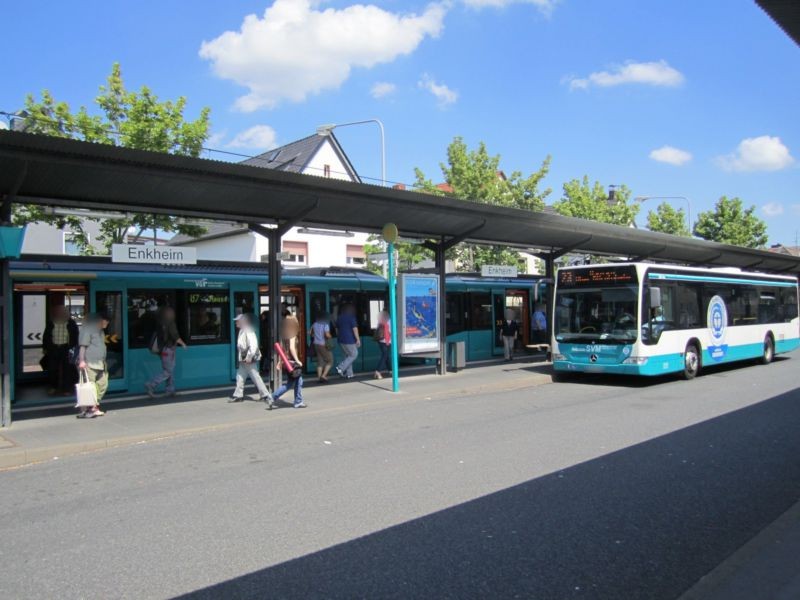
(443, 94)
(381, 89)
(545, 6)
(671, 155)
(772, 209)
(658, 74)
(763, 153)
(261, 137)
(296, 50)
(215, 139)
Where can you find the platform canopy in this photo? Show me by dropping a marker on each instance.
(68, 173)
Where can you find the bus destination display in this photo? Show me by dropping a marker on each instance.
(597, 276)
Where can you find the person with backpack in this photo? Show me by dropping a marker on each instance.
(249, 355)
(164, 342)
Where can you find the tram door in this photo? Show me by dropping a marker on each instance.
(110, 297)
(293, 299)
(513, 304)
(245, 301)
(33, 303)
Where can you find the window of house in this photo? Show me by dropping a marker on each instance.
(298, 253)
(326, 170)
(356, 255)
(71, 247)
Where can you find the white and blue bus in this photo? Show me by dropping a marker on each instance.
(646, 319)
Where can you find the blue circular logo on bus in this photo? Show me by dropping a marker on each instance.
(717, 321)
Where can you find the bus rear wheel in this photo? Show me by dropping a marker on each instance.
(769, 351)
(691, 362)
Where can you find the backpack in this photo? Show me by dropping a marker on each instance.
(156, 345)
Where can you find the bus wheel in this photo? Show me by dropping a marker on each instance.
(769, 350)
(691, 362)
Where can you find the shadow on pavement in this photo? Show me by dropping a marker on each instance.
(644, 522)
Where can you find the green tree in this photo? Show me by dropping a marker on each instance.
(666, 219)
(731, 223)
(134, 119)
(475, 175)
(586, 201)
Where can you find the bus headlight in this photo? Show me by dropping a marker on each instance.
(635, 360)
(559, 357)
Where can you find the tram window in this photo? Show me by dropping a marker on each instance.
(339, 299)
(317, 304)
(143, 306)
(455, 312)
(377, 303)
(480, 311)
(207, 317)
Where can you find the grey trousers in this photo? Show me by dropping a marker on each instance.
(350, 355)
(245, 370)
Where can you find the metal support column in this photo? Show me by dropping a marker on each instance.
(6, 301)
(550, 275)
(441, 272)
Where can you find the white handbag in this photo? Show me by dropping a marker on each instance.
(85, 390)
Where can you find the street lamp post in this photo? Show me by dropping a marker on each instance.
(328, 129)
(641, 199)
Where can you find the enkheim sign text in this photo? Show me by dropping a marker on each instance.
(153, 255)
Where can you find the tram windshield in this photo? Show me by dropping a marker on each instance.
(590, 315)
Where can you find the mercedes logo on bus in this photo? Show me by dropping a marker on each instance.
(593, 358)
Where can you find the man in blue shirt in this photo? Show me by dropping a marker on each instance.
(349, 340)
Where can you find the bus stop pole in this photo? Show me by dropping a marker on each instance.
(390, 234)
(393, 318)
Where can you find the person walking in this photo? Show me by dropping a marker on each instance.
(248, 355)
(167, 339)
(509, 330)
(92, 360)
(59, 341)
(320, 336)
(349, 340)
(290, 347)
(383, 335)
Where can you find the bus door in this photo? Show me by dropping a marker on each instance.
(110, 297)
(33, 303)
(245, 301)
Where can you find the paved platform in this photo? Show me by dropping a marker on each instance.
(49, 435)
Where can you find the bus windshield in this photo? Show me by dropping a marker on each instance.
(597, 314)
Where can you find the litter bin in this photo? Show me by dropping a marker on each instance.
(458, 355)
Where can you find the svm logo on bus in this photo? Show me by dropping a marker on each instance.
(717, 322)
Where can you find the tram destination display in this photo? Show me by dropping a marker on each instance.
(610, 275)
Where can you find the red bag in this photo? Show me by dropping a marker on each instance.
(293, 370)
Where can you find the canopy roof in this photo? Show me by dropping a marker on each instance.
(61, 172)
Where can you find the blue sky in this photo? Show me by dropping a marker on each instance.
(679, 98)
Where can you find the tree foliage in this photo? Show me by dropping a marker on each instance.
(731, 223)
(590, 201)
(475, 175)
(666, 219)
(134, 119)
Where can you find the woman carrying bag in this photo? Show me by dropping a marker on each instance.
(92, 366)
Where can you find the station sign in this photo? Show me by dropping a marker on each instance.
(498, 271)
(153, 255)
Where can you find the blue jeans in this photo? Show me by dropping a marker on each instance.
(383, 361)
(297, 384)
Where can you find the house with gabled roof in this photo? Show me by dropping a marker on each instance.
(318, 155)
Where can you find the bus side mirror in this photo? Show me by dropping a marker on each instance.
(655, 297)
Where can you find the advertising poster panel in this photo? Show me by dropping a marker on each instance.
(418, 313)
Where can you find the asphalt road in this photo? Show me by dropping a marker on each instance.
(607, 488)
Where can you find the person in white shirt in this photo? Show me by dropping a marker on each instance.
(248, 355)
